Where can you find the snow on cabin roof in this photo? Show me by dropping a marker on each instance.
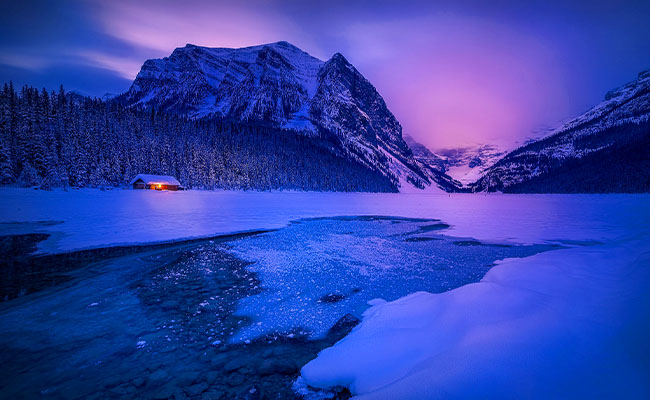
(155, 179)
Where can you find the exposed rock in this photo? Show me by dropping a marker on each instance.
(138, 382)
(159, 376)
(219, 360)
(169, 305)
(235, 380)
(343, 326)
(332, 298)
(187, 378)
(211, 377)
(123, 390)
(197, 389)
(233, 365)
(280, 366)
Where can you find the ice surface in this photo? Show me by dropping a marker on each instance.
(316, 271)
(141, 326)
(564, 323)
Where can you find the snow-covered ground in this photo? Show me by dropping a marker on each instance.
(464, 174)
(564, 323)
(571, 323)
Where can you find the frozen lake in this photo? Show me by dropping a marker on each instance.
(169, 321)
(92, 218)
(316, 271)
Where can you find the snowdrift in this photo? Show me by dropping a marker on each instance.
(563, 324)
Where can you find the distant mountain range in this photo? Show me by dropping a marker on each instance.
(606, 149)
(467, 164)
(464, 165)
(281, 86)
(274, 117)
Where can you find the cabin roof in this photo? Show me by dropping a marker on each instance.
(156, 179)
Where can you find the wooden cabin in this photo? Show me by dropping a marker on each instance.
(155, 182)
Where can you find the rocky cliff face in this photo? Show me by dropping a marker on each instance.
(282, 86)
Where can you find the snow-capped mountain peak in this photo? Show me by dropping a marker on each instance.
(466, 164)
(280, 85)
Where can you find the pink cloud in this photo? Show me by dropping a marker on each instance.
(127, 67)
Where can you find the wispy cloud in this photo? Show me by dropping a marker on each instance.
(163, 26)
(126, 67)
(453, 71)
(29, 62)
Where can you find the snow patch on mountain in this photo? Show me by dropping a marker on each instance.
(280, 85)
(467, 164)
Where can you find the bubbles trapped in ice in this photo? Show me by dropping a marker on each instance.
(317, 270)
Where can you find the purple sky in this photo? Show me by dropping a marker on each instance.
(454, 73)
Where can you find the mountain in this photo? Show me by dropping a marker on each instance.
(281, 86)
(466, 164)
(433, 164)
(606, 149)
(463, 165)
(424, 155)
(63, 139)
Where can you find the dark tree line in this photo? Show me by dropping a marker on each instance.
(60, 139)
(621, 165)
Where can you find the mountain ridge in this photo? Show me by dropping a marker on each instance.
(280, 85)
(611, 129)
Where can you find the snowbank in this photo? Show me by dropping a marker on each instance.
(563, 324)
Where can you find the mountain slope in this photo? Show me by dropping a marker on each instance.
(434, 164)
(59, 140)
(467, 164)
(462, 165)
(424, 155)
(606, 149)
(281, 86)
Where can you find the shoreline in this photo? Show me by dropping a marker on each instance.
(21, 257)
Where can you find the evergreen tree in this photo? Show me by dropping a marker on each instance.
(6, 172)
(60, 139)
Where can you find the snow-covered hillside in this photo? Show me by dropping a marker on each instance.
(614, 127)
(280, 85)
(464, 165)
(424, 155)
(467, 164)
